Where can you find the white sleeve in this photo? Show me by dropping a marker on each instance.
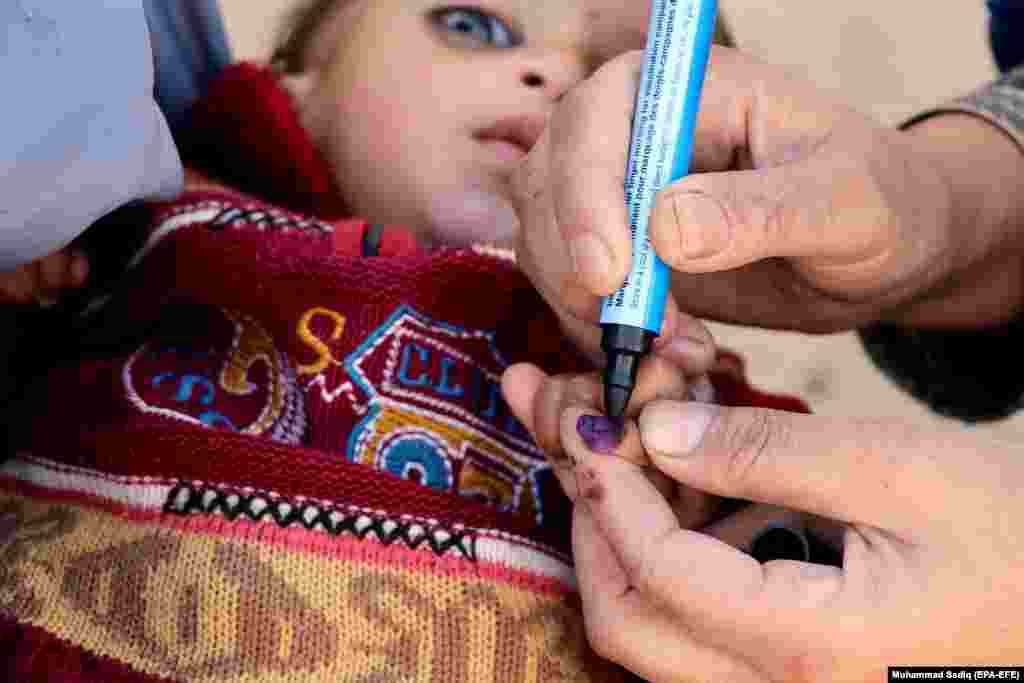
(81, 132)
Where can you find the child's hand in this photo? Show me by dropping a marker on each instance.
(546, 405)
(42, 281)
(562, 412)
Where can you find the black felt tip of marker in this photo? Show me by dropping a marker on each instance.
(616, 398)
(624, 346)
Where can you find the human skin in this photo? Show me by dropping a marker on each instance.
(929, 523)
(829, 222)
(424, 109)
(932, 548)
(540, 401)
(42, 280)
(801, 214)
(405, 107)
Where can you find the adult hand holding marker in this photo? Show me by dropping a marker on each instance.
(664, 119)
(801, 214)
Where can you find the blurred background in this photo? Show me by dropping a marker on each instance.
(889, 59)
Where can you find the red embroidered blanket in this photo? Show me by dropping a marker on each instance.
(281, 460)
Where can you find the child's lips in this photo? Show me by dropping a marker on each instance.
(513, 136)
(507, 152)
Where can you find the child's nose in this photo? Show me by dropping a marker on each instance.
(553, 72)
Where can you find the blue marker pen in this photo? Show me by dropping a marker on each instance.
(664, 118)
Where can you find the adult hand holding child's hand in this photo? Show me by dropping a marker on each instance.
(801, 214)
(933, 551)
(541, 401)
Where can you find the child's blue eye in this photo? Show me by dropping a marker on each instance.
(476, 25)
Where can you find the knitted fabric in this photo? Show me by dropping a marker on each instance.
(280, 460)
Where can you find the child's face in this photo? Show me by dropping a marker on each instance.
(423, 109)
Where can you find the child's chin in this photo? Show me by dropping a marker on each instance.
(471, 217)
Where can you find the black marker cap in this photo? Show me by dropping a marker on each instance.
(624, 346)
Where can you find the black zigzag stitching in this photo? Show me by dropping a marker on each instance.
(185, 499)
(267, 219)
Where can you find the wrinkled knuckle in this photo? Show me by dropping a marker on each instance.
(644, 573)
(880, 223)
(777, 219)
(745, 443)
(795, 293)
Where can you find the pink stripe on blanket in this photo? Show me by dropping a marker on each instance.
(499, 556)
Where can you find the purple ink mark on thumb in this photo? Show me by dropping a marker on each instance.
(601, 434)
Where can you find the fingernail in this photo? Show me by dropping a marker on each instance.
(700, 221)
(601, 434)
(780, 543)
(673, 428)
(590, 254)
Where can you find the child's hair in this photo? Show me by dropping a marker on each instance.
(289, 55)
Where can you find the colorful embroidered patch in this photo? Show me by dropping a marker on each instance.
(432, 410)
(223, 372)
